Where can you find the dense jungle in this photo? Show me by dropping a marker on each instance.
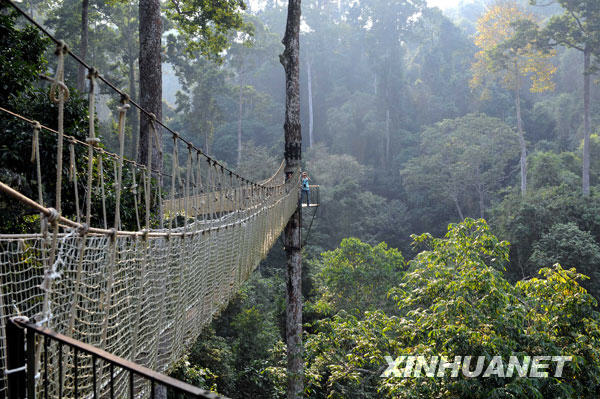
(457, 151)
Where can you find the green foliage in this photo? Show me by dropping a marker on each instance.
(356, 276)
(442, 153)
(204, 25)
(576, 27)
(548, 169)
(182, 370)
(348, 207)
(567, 245)
(524, 221)
(463, 162)
(455, 301)
(238, 352)
(21, 55)
(21, 61)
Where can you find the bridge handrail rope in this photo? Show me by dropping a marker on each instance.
(143, 294)
(75, 140)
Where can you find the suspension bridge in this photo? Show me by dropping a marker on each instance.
(140, 287)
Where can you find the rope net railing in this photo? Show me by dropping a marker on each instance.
(135, 259)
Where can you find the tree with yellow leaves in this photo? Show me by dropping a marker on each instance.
(505, 35)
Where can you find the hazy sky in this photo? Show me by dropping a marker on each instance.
(443, 4)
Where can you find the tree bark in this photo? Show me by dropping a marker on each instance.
(310, 105)
(587, 125)
(150, 78)
(133, 117)
(83, 45)
(240, 110)
(458, 209)
(481, 201)
(295, 363)
(387, 138)
(522, 144)
(292, 234)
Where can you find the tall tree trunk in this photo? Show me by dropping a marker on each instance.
(386, 157)
(586, 117)
(151, 81)
(481, 200)
(240, 111)
(292, 234)
(310, 105)
(133, 117)
(458, 209)
(523, 160)
(83, 45)
(208, 135)
(293, 250)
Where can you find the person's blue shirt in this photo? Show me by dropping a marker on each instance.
(305, 185)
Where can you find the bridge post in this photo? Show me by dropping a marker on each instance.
(293, 233)
(15, 360)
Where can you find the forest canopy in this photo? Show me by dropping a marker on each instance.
(458, 158)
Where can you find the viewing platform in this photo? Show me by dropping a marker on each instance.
(314, 197)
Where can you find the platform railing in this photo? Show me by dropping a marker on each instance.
(28, 379)
(314, 196)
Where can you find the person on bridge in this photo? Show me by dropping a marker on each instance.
(305, 188)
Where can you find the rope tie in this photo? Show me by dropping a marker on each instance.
(83, 229)
(59, 93)
(93, 141)
(101, 184)
(58, 90)
(187, 186)
(93, 74)
(135, 196)
(71, 160)
(179, 179)
(52, 216)
(123, 109)
(199, 190)
(173, 169)
(35, 144)
(119, 175)
(35, 157)
(73, 178)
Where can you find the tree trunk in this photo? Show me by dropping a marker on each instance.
(293, 250)
(481, 201)
(83, 45)
(151, 81)
(292, 234)
(387, 138)
(523, 160)
(458, 209)
(133, 117)
(310, 105)
(586, 117)
(240, 110)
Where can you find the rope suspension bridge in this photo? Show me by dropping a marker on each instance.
(141, 289)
